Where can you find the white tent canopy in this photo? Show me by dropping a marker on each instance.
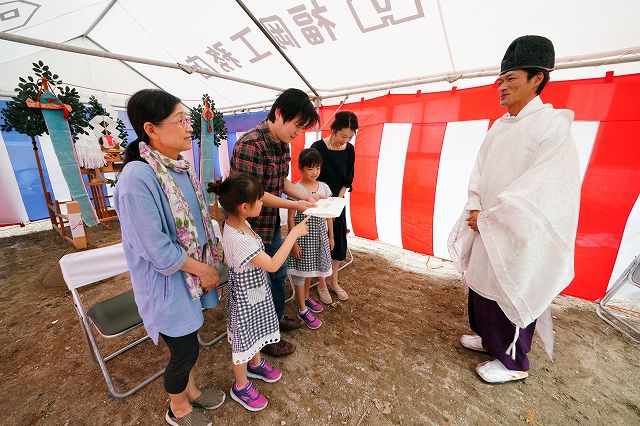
(336, 45)
(332, 48)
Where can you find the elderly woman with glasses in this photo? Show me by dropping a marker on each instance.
(168, 241)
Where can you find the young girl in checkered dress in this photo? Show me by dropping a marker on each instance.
(252, 322)
(311, 255)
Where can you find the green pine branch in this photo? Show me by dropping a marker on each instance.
(29, 121)
(219, 128)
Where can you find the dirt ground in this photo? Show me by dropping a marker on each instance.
(389, 355)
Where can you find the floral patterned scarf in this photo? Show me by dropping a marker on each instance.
(185, 225)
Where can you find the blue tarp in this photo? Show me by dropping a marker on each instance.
(26, 171)
(24, 167)
(241, 123)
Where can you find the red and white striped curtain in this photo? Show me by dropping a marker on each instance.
(414, 155)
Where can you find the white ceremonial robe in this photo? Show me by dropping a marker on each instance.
(526, 184)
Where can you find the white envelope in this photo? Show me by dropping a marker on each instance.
(327, 207)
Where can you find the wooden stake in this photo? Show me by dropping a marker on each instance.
(76, 225)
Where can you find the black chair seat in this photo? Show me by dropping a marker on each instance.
(120, 313)
(116, 315)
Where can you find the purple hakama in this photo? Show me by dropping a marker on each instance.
(488, 321)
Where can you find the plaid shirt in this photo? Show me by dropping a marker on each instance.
(258, 154)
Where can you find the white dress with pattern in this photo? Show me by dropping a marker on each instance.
(252, 322)
(316, 254)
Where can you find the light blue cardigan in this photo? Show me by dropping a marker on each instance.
(153, 254)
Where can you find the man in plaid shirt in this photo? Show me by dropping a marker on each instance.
(264, 153)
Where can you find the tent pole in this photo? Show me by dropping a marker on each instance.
(47, 197)
(627, 56)
(88, 37)
(490, 72)
(318, 103)
(630, 54)
(91, 52)
(446, 37)
(334, 113)
(278, 48)
(257, 104)
(99, 18)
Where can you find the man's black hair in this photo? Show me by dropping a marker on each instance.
(294, 103)
(532, 72)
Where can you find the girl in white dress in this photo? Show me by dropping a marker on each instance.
(252, 322)
(311, 255)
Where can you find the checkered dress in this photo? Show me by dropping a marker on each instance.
(251, 316)
(316, 255)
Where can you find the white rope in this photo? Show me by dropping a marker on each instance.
(95, 90)
(511, 350)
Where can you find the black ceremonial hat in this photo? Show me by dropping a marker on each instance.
(529, 51)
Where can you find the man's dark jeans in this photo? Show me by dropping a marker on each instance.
(277, 279)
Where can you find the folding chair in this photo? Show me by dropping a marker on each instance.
(347, 261)
(349, 256)
(616, 316)
(224, 279)
(112, 317)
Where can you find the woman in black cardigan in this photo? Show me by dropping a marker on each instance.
(338, 159)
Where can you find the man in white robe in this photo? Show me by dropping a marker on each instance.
(514, 242)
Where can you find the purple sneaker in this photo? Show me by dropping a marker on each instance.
(313, 305)
(264, 371)
(249, 397)
(310, 319)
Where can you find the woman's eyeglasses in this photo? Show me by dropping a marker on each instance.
(184, 122)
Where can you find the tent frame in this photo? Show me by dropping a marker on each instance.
(620, 56)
